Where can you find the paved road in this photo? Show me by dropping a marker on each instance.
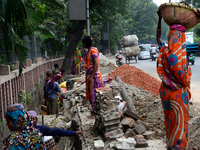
(149, 67)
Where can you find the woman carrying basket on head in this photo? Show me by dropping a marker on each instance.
(175, 72)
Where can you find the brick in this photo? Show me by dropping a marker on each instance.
(114, 134)
(129, 133)
(148, 135)
(111, 116)
(98, 145)
(4, 69)
(127, 122)
(138, 137)
(140, 129)
(141, 143)
(144, 124)
(131, 114)
(112, 127)
(111, 122)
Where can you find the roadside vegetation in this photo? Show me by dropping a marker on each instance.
(48, 20)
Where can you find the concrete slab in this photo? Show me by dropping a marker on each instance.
(4, 69)
(114, 134)
(111, 116)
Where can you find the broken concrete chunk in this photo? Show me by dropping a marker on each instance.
(111, 122)
(125, 146)
(114, 134)
(148, 135)
(131, 114)
(138, 137)
(111, 116)
(83, 109)
(116, 102)
(127, 122)
(144, 124)
(121, 145)
(112, 127)
(127, 140)
(98, 145)
(140, 129)
(141, 143)
(129, 133)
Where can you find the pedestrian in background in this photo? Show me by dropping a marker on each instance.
(93, 75)
(174, 70)
(52, 91)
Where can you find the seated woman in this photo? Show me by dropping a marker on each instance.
(24, 135)
(49, 132)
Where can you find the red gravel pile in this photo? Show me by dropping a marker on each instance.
(138, 78)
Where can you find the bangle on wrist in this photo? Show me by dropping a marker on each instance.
(158, 29)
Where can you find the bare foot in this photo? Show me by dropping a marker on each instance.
(91, 117)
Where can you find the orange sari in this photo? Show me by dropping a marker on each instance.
(175, 74)
(97, 79)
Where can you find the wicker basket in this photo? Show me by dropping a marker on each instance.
(179, 13)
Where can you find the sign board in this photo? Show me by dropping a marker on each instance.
(77, 9)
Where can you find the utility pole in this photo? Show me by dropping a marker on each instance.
(108, 37)
(88, 19)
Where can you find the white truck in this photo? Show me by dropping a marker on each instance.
(189, 37)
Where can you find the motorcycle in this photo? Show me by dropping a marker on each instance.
(153, 52)
(119, 60)
(153, 56)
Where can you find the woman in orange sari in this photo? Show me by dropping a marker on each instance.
(93, 75)
(175, 72)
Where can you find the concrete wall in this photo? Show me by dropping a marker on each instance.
(31, 81)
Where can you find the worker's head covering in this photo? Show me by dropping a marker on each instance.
(33, 113)
(178, 27)
(69, 81)
(15, 107)
(22, 138)
(55, 78)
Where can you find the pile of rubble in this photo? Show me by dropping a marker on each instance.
(140, 129)
(119, 132)
(137, 78)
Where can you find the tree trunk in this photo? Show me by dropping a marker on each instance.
(105, 47)
(74, 38)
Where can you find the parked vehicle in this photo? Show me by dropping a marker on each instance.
(145, 51)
